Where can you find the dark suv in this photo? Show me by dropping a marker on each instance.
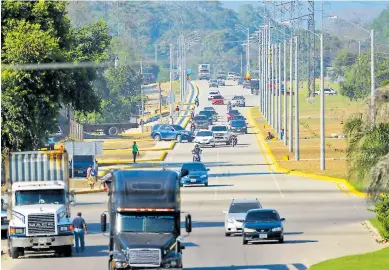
(171, 132)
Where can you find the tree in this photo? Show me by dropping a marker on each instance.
(343, 60)
(40, 32)
(381, 27)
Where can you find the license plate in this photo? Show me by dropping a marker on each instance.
(43, 240)
(79, 171)
(263, 236)
(193, 180)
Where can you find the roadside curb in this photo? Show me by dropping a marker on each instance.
(341, 183)
(375, 232)
(130, 161)
(152, 149)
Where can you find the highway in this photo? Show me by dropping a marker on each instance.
(321, 221)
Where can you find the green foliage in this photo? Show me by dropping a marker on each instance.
(381, 27)
(382, 211)
(40, 32)
(357, 83)
(343, 60)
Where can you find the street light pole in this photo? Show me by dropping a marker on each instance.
(171, 100)
(297, 123)
(248, 50)
(291, 97)
(241, 64)
(372, 107)
(322, 131)
(276, 89)
(272, 87)
(285, 95)
(279, 89)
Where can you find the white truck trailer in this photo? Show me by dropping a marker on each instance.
(38, 203)
(204, 71)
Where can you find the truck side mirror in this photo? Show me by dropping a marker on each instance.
(103, 222)
(188, 223)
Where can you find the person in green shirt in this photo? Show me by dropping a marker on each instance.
(135, 151)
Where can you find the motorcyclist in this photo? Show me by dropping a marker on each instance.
(196, 153)
(193, 126)
(192, 115)
(197, 101)
(234, 139)
(229, 106)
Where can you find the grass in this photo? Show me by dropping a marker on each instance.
(337, 109)
(374, 221)
(377, 260)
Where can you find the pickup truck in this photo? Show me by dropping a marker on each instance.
(327, 91)
(221, 134)
(238, 101)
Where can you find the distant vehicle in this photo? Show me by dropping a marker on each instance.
(236, 214)
(204, 71)
(238, 126)
(213, 83)
(238, 117)
(209, 109)
(221, 82)
(212, 115)
(231, 76)
(221, 75)
(221, 134)
(232, 113)
(327, 91)
(238, 101)
(211, 94)
(198, 174)
(171, 132)
(237, 76)
(263, 225)
(80, 165)
(204, 138)
(218, 100)
(201, 121)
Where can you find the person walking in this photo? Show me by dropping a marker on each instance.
(80, 230)
(90, 177)
(135, 151)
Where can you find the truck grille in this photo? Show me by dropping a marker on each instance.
(144, 257)
(41, 224)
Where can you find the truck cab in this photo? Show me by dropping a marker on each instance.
(145, 219)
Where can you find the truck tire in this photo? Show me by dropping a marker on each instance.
(13, 252)
(67, 251)
(113, 131)
(179, 138)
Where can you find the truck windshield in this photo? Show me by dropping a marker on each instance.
(146, 224)
(28, 197)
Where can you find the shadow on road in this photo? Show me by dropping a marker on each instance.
(221, 185)
(94, 228)
(240, 174)
(92, 251)
(298, 266)
(285, 242)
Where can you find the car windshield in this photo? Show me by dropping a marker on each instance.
(41, 196)
(206, 113)
(193, 167)
(204, 134)
(213, 81)
(237, 117)
(218, 97)
(213, 93)
(238, 123)
(243, 207)
(219, 128)
(261, 216)
(200, 117)
(145, 224)
(234, 112)
(209, 109)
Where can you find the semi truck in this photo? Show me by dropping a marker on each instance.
(204, 71)
(38, 202)
(145, 219)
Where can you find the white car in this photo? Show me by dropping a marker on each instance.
(204, 138)
(231, 76)
(327, 91)
(221, 134)
(213, 93)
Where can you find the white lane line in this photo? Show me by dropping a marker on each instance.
(278, 186)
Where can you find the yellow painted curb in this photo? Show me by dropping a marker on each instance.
(129, 161)
(88, 191)
(296, 173)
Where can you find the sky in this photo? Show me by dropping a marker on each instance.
(350, 10)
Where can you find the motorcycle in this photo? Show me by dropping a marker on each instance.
(193, 128)
(234, 140)
(197, 103)
(196, 155)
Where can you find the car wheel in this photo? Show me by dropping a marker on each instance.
(206, 184)
(181, 185)
(157, 138)
(179, 138)
(245, 242)
(228, 234)
(67, 251)
(213, 146)
(281, 240)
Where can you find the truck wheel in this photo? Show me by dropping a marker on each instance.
(179, 138)
(228, 234)
(113, 131)
(67, 251)
(14, 253)
(157, 138)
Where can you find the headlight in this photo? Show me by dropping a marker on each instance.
(121, 264)
(14, 230)
(65, 228)
(230, 220)
(248, 230)
(203, 176)
(278, 229)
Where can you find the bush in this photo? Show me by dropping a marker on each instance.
(382, 211)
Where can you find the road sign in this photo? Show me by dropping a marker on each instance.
(84, 148)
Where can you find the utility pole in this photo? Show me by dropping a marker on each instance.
(276, 90)
(160, 101)
(322, 119)
(359, 48)
(259, 68)
(268, 75)
(272, 87)
(279, 89)
(241, 64)
(263, 71)
(285, 96)
(372, 107)
(297, 123)
(171, 100)
(141, 89)
(291, 97)
(248, 50)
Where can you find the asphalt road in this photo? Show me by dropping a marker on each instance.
(321, 221)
